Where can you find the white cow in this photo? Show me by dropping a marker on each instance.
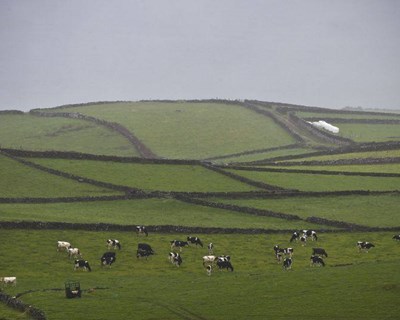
(9, 280)
(209, 260)
(63, 245)
(74, 252)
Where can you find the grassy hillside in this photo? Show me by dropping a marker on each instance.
(172, 166)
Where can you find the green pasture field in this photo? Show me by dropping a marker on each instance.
(30, 132)
(352, 155)
(368, 210)
(321, 182)
(352, 285)
(371, 168)
(369, 132)
(338, 114)
(160, 177)
(18, 181)
(145, 212)
(181, 130)
(263, 156)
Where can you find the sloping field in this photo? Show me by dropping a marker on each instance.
(322, 182)
(150, 212)
(161, 177)
(20, 181)
(191, 130)
(368, 210)
(35, 133)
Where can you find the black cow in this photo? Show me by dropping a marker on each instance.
(280, 252)
(319, 252)
(144, 250)
(396, 237)
(141, 230)
(195, 240)
(364, 245)
(179, 244)
(82, 264)
(175, 258)
(108, 259)
(224, 264)
(317, 260)
(113, 243)
(295, 236)
(287, 263)
(310, 233)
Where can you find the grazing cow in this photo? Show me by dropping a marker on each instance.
(364, 245)
(108, 259)
(113, 243)
(144, 250)
(224, 264)
(195, 240)
(209, 260)
(287, 263)
(303, 240)
(141, 230)
(82, 264)
(224, 258)
(178, 244)
(295, 236)
(210, 248)
(396, 237)
(280, 252)
(310, 233)
(209, 270)
(175, 258)
(74, 252)
(316, 260)
(319, 252)
(9, 280)
(63, 245)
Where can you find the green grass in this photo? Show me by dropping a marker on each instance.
(372, 168)
(370, 132)
(146, 212)
(192, 130)
(373, 211)
(34, 133)
(320, 182)
(18, 181)
(338, 114)
(149, 176)
(257, 289)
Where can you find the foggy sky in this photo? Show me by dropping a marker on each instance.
(310, 52)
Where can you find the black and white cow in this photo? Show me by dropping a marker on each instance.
(303, 240)
(178, 244)
(209, 269)
(195, 240)
(210, 248)
(319, 252)
(108, 259)
(287, 263)
(175, 258)
(364, 245)
(224, 264)
(144, 250)
(114, 244)
(316, 260)
(141, 230)
(295, 236)
(310, 234)
(83, 264)
(280, 252)
(396, 237)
